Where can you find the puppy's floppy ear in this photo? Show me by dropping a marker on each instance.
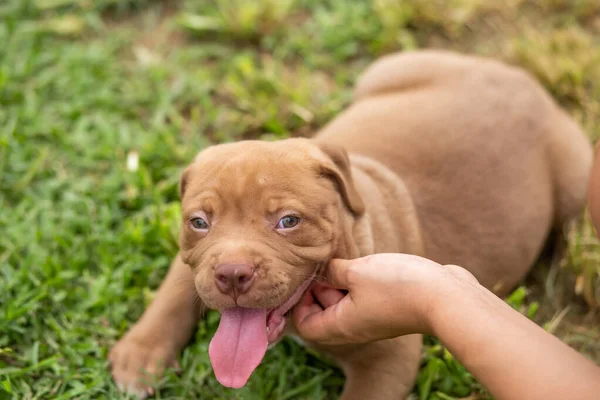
(183, 181)
(336, 166)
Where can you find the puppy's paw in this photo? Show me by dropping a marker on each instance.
(136, 366)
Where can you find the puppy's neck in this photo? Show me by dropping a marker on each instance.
(390, 223)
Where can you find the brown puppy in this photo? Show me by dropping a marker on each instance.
(460, 159)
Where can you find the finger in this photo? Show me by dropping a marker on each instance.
(337, 273)
(305, 307)
(327, 296)
(319, 326)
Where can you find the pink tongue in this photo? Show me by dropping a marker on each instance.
(239, 345)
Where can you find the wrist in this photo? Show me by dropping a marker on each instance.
(453, 293)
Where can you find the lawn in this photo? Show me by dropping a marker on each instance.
(102, 103)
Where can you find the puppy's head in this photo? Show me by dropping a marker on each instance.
(260, 217)
(259, 220)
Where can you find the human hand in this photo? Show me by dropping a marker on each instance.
(389, 295)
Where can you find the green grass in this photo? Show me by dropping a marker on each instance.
(85, 84)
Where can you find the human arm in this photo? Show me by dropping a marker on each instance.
(509, 354)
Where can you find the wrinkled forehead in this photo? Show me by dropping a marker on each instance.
(246, 172)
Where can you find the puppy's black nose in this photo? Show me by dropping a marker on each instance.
(234, 279)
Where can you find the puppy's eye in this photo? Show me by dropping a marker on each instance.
(289, 221)
(199, 224)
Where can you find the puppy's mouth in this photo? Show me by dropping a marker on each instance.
(243, 337)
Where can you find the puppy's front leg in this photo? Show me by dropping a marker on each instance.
(384, 370)
(155, 341)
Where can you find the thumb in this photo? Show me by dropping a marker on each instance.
(337, 273)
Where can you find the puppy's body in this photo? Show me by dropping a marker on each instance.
(488, 159)
(459, 159)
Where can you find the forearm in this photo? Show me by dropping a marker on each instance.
(508, 354)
